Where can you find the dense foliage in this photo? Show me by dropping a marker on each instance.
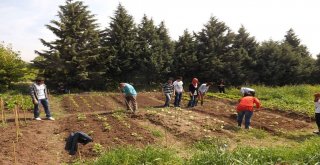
(12, 68)
(85, 57)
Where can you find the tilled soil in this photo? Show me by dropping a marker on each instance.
(103, 118)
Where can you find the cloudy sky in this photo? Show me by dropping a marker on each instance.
(23, 21)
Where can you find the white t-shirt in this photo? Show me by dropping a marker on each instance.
(40, 91)
(317, 106)
(244, 90)
(203, 88)
(178, 86)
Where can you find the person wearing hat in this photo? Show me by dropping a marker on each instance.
(39, 95)
(317, 111)
(245, 108)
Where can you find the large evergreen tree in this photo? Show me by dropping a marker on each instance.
(244, 51)
(150, 63)
(73, 58)
(120, 37)
(185, 62)
(213, 42)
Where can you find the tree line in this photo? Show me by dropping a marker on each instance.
(84, 56)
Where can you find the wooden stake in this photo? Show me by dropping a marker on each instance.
(79, 152)
(2, 111)
(14, 153)
(15, 110)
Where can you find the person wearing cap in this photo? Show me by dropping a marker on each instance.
(245, 108)
(39, 95)
(317, 111)
(130, 95)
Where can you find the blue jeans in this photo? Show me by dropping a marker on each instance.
(177, 99)
(168, 98)
(247, 117)
(45, 105)
(193, 101)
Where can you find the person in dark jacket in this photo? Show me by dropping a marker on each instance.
(193, 92)
(39, 95)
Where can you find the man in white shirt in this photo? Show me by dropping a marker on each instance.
(39, 94)
(177, 91)
(203, 89)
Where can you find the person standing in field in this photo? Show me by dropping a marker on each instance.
(203, 89)
(317, 111)
(245, 108)
(167, 89)
(130, 95)
(39, 95)
(178, 90)
(221, 87)
(193, 92)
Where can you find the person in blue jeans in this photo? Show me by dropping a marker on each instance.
(39, 95)
(193, 92)
(178, 90)
(167, 89)
(245, 108)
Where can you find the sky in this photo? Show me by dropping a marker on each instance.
(23, 21)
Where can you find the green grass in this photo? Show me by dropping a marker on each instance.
(132, 156)
(294, 98)
(215, 151)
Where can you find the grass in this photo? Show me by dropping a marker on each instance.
(297, 98)
(215, 151)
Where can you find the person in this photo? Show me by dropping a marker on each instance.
(167, 89)
(245, 108)
(130, 96)
(244, 90)
(193, 92)
(317, 111)
(177, 91)
(221, 87)
(203, 89)
(39, 95)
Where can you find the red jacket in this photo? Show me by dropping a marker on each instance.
(246, 103)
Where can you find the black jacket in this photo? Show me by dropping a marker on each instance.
(74, 139)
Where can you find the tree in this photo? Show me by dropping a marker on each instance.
(213, 42)
(185, 61)
(11, 67)
(74, 57)
(245, 49)
(120, 37)
(150, 63)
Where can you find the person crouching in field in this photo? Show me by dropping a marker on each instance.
(130, 96)
(193, 92)
(317, 111)
(245, 108)
(203, 89)
(167, 89)
(39, 95)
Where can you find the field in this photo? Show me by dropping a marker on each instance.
(202, 135)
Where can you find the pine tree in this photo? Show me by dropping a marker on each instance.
(245, 49)
(213, 42)
(120, 37)
(185, 62)
(73, 58)
(150, 64)
(166, 50)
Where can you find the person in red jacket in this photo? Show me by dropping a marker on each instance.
(245, 108)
